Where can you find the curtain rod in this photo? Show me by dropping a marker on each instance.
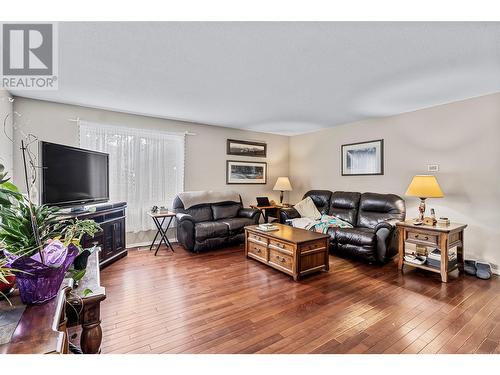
(77, 120)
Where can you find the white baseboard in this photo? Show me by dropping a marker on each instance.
(144, 244)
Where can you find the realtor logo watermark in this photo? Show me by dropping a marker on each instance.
(29, 56)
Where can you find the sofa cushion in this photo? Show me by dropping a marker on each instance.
(236, 224)
(344, 205)
(306, 208)
(361, 237)
(210, 229)
(200, 213)
(224, 211)
(321, 199)
(375, 208)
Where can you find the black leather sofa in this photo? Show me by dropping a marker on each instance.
(372, 215)
(208, 226)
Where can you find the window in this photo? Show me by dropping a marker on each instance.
(146, 167)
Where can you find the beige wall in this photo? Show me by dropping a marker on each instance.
(205, 165)
(6, 146)
(462, 137)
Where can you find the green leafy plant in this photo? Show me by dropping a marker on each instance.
(16, 227)
(74, 230)
(9, 193)
(25, 228)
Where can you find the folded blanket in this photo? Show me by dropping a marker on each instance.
(193, 198)
(322, 225)
(327, 222)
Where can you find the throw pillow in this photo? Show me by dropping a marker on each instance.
(306, 208)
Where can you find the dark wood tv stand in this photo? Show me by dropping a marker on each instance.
(111, 218)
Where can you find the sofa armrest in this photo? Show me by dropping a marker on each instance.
(185, 230)
(386, 239)
(387, 224)
(183, 217)
(249, 213)
(287, 214)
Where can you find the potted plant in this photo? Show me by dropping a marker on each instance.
(7, 193)
(36, 244)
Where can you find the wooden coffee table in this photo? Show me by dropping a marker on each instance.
(296, 252)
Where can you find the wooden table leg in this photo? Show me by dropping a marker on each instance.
(401, 247)
(460, 253)
(443, 245)
(91, 337)
(327, 261)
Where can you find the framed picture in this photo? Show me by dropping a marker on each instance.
(246, 148)
(246, 172)
(363, 158)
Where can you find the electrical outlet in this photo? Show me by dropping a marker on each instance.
(432, 167)
(494, 266)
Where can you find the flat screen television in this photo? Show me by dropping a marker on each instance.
(73, 176)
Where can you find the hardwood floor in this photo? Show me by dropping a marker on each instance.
(220, 302)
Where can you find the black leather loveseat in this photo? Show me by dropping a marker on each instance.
(212, 225)
(372, 215)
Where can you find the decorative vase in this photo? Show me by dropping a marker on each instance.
(38, 282)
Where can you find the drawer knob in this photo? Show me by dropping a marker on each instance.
(424, 238)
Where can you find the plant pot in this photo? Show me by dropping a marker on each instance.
(6, 288)
(39, 283)
(81, 260)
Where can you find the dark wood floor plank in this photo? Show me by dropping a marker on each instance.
(221, 302)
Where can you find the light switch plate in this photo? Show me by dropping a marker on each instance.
(432, 167)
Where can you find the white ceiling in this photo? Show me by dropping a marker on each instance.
(285, 78)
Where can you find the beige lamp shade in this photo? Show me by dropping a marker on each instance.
(424, 187)
(283, 184)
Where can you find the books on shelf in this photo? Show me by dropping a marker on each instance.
(435, 254)
(434, 259)
(437, 263)
(267, 227)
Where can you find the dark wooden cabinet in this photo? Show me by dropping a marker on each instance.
(111, 218)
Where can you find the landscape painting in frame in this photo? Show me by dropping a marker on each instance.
(246, 148)
(246, 172)
(363, 158)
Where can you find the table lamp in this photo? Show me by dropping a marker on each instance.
(282, 184)
(423, 186)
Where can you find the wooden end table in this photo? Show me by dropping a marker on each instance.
(84, 307)
(160, 229)
(442, 237)
(41, 329)
(272, 209)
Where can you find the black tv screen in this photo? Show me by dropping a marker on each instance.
(73, 176)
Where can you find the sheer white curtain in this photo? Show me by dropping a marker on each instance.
(146, 167)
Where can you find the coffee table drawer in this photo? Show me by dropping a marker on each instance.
(257, 250)
(281, 259)
(312, 246)
(283, 246)
(257, 238)
(423, 238)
